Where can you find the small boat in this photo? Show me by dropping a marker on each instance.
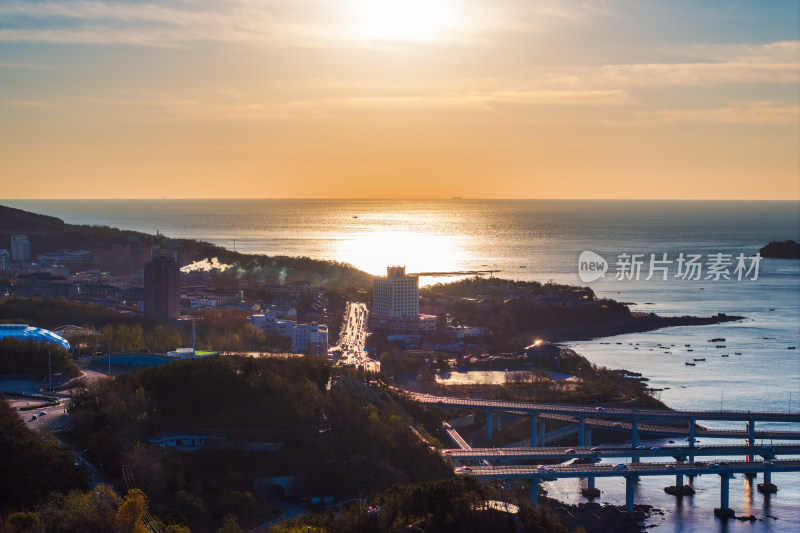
(792, 348)
(687, 345)
(699, 358)
(724, 355)
(737, 353)
(720, 345)
(687, 363)
(717, 339)
(689, 350)
(354, 216)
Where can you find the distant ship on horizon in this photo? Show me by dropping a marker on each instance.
(455, 198)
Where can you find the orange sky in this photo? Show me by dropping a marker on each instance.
(407, 99)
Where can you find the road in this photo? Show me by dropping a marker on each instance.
(353, 338)
(586, 452)
(627, 469)
(605, 412)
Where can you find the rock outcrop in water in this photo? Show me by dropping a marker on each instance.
(781, 250)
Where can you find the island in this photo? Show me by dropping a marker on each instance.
(781, 250)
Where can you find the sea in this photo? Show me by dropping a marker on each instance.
(706, 250)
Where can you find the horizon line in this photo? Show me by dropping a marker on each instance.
(406, 199)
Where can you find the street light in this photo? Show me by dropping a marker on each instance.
(194, 327)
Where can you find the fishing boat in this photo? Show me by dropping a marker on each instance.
(699, 358)
(687, 363)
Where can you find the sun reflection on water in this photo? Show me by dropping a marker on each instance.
(373, 251)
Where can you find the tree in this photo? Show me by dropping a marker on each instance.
(131, 513)
(230, 525)
(25, 523)
(175, 528)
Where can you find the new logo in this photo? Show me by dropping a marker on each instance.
(591, 266)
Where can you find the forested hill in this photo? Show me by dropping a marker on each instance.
(17, 220)
(48, 233)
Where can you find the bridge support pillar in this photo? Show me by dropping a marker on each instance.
(581, 431)
(588, 437)
(499, 421)
(751, 436)
(691, 437)
(534, 431)
(542, 433)
(724, 511)
(630, 485)
(634, 437)
(489, 415)
(534, 492)
(590, 491)
(767, 487)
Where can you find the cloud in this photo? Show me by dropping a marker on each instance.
(753, 113)
(25, 103)
(279, 23)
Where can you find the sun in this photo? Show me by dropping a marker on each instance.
(403, 20)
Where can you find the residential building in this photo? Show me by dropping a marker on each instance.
(162, 289)
(20, 248)
(312, 337)
(44, 285)
(5, 260)
(396, 295)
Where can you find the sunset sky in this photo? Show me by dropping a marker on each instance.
(400, 98)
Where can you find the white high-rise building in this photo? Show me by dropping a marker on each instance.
(20, 248)
(396, 295)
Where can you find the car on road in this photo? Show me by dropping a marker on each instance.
(641, 447)
(769, 463)
(713, 465)
(620, 466)
(569, 451)
(670, 467)
(599, 409)
(42, 413)
(616, 425)
(463, 469)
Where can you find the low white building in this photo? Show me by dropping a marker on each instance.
(312, 337)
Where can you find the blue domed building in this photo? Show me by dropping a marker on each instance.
(24, 332)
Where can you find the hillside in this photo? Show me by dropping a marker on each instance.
(342, 442)
(13, 220)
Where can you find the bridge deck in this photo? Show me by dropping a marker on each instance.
(604, 412)
(630, 469)
(560, 453)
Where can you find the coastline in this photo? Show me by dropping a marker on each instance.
(637, 324)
